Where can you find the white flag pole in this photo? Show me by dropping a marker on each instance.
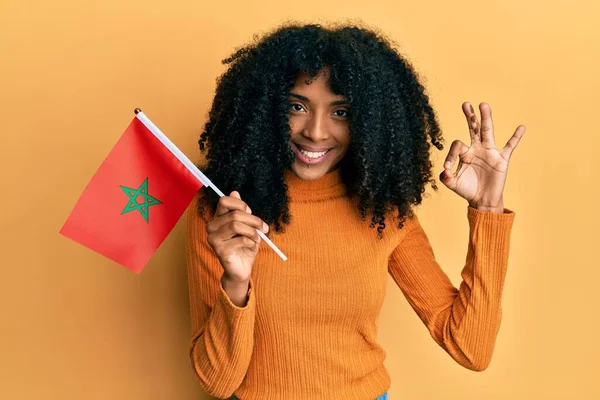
(193, 169)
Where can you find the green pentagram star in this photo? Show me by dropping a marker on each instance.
(133, 205)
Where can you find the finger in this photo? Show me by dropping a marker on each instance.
(231, 202)
(237, 215)
(513, 142)
(229, 247)
(234, 229)
(487, 126)
(449, 179)
(457, 149)
(472, 122)
(242, 242)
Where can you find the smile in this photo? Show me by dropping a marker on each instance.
(313, 155)
(310, 156)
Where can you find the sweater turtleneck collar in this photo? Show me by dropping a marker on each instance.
(330, 186)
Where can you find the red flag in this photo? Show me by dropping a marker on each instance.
(133, 201)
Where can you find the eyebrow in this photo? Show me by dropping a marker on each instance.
(307, 100)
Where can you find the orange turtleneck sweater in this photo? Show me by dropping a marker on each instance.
(309, 329)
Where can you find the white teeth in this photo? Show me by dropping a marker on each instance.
(311, 154)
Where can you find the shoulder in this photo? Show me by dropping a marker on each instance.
(198, 212)
(402, 224)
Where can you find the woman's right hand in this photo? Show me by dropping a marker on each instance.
(232, 235)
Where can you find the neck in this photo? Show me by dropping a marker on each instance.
(328, 186)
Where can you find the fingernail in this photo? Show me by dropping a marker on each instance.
(265, 227)
(471, 107)
(248, 210)
(447, 165)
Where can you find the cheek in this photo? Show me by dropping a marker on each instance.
(295, 125)
(343, 135)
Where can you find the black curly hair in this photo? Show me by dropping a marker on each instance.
(392, 122)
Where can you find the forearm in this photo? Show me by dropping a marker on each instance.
(221, 352)
(463, 321)
(473, 321)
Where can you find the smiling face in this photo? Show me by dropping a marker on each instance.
(320, 131)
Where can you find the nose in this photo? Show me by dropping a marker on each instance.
(315, 129)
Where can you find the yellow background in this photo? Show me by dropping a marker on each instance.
(77, 326)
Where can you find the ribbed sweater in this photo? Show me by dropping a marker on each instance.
(309, 328)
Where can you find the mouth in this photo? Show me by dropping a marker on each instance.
(310, 156)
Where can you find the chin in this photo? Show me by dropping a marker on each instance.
(309, 174)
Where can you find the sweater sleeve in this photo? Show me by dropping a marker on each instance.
(222, 333)
(465, 321)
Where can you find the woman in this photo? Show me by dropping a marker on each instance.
(322, 138)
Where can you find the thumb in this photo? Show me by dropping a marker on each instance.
(448, 179)
(235, 194)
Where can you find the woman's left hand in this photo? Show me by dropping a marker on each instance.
(482, 169)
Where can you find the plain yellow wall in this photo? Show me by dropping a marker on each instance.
(77, 326)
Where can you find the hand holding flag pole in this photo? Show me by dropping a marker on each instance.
(137, 195)
(193, 169)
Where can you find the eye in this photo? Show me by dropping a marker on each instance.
(341, 113)
(297, 107)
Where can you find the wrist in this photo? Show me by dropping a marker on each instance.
(237, 291)
(494, 207)
(233, 282)
(499, 209)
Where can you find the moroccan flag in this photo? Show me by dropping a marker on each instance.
(134, 200)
